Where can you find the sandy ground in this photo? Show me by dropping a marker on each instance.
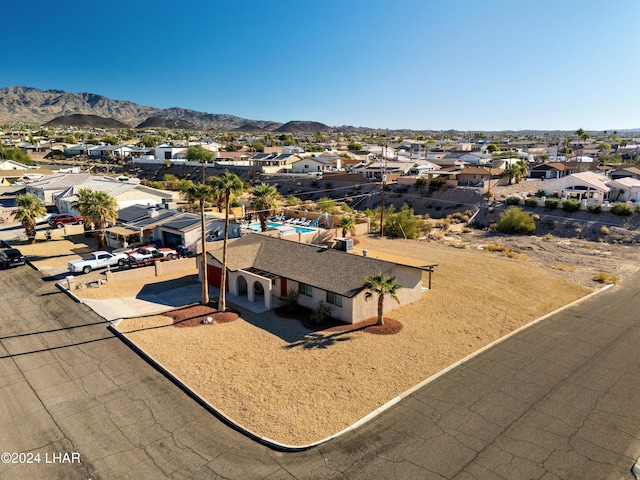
(298, 386)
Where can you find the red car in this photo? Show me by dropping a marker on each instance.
(61, 219)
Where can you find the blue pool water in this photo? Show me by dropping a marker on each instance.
(256, 227)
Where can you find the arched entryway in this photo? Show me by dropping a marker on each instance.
(242, 285)
(258, 290)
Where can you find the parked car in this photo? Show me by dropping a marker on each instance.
(45, 219)
(11, 257)
(97, 260)
(61, 219)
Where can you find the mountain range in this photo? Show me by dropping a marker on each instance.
(35, 106)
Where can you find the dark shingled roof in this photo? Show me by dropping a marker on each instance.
(325, 268)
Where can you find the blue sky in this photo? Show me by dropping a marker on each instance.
(419, 64)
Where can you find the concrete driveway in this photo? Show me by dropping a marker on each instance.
(560, 400)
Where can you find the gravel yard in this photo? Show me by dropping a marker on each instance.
(296, 385)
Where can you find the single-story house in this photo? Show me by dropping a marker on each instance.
(477, 176)
(316, 164)
(631, 172)
(264, 268)
(624, 189)
(272, 163)
(546, 170)
(166, 227)
(588, 186)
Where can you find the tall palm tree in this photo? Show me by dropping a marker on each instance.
(97, 207)
(381, 285)
(348, 224)
(29, 208)
(264, 199)
(225, 186)
(200, 193)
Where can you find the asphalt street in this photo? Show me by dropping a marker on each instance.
(559, 400)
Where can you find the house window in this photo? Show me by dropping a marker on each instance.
(334, 299)
(305, 289)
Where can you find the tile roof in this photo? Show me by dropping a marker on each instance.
(325, 268)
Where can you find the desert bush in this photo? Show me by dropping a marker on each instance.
(563, 267)
(513, 200)
(320, 314)
(421, 182)
(551, 203)
(622, 209)
(514, 220)
(540, 193)
(594, 208)
(604, 230)
(531, 202)
(290, 300)
(605, 277)
(496, 247)
(571, 205)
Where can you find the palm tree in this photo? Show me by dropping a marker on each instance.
(348, 224)
(97, 207)
(381, 285)
(225, 186)
(29, 208)
(264, 199)
(200, 193)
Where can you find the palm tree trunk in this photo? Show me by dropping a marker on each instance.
(223, 278)
(205, 280)
(380, 309)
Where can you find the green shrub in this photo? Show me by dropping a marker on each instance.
(594, 208)
(531, 202)
(437, 182)
(513, 200)
(514, 220)
(571, 205)
(421, 182)
(551, 203)
(540, 193)
(622, 209)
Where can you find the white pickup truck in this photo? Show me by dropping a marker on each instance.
(97, 260)
(149, 255)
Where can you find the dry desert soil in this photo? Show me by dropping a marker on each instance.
(298, 385)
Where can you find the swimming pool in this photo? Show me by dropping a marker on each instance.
(256, 227)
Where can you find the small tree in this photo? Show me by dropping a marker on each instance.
(326, 204)
(381, 285)
(264, 199)
(98, 208)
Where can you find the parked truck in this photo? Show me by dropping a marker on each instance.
(97, 260)
(149, 255)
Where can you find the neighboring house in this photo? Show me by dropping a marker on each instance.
(588, 186)
(375, 171)
(13, 165)
(125, 193)
(7, 177)
(167, 227)
(546, 170)
(48, 188)
(264, 268)
(316, 164)
(78, 149)
(624, 189)
(630, 172)
(272, 163)
(477, 176)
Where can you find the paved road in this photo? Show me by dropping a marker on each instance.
(561, 400)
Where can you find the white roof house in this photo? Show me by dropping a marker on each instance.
(581, 186)
(625, 189)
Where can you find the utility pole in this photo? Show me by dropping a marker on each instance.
(384, 183)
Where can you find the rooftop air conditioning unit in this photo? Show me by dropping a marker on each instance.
(344, 244)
